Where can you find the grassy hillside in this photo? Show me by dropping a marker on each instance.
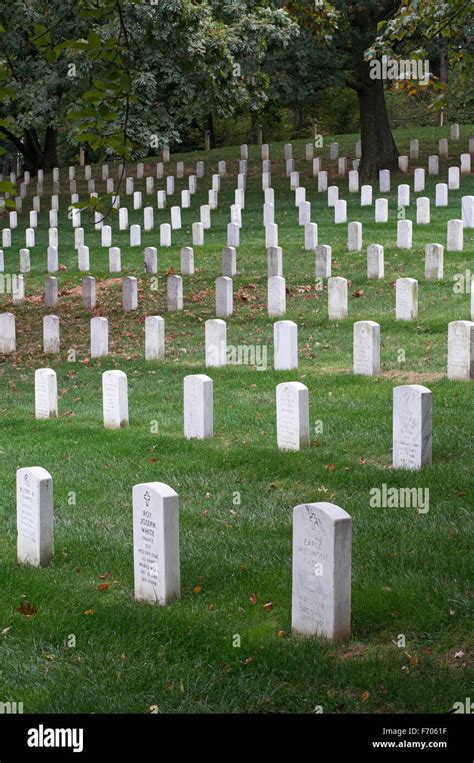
(410, 570)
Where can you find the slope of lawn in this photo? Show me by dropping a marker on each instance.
(86, 645)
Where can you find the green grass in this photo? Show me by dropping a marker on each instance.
(410, 571)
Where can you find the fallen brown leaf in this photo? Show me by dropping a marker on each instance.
(27, 609)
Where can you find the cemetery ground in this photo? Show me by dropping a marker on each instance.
(72, 637)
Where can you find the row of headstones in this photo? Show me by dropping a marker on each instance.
(455, 230)
(322, 532)
(366, 343)
(443, 151)
(340, 211)
(366, 191)
(135, 230)
(406, 295)
(322, 550)
(137, 195)
(455, 233)
(292, 397)
(366, 194)
(455, 171)
(244, 154)
(434, 266)
(381, 207)
(75, 212)
(433, 168)
(140, 167)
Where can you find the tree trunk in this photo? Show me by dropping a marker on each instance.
(379, 151)
(443, 75)
(210, 127)
(50, 150)
(35, 156)
(253, 127)
(32, 152)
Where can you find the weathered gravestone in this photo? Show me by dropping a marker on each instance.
(34, 516)
(154, 337)
(129, 293)
(406, 299)
(321, 579)
(285, 342)
(461, 350)
(292, 413)
(375, 262)
(323, 261)
(422, 210)
(404, 234)
(434, 258)
(354, 237)
(187, 261)
(215, 343)
(412, 432)
(229, 261)
(99, 337)
(115, 399)
(46, 394)
(274, 261)
(366, 352)
(224, 297)
(198, 407)
(89, 292)
(276, 296)
(51, 343)
(115, 260)
(337, 298)
(381, 210)
(151, 260)
(455, 237)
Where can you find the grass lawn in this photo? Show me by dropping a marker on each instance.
(411, 571)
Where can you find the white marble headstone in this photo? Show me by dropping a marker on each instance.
(115, 399)
(461, 350)
(46, 394)
(198, 407)
(337, 298)
(285, 341)
(276, 296)
(321, 576)
(323, 261)
(292, 409)
(366, 350)
(216, 343)
(375, 262)
(406, 299)
(434, 259)
(156, 543)
(412, 433)
(154, 337)
(34, 516)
